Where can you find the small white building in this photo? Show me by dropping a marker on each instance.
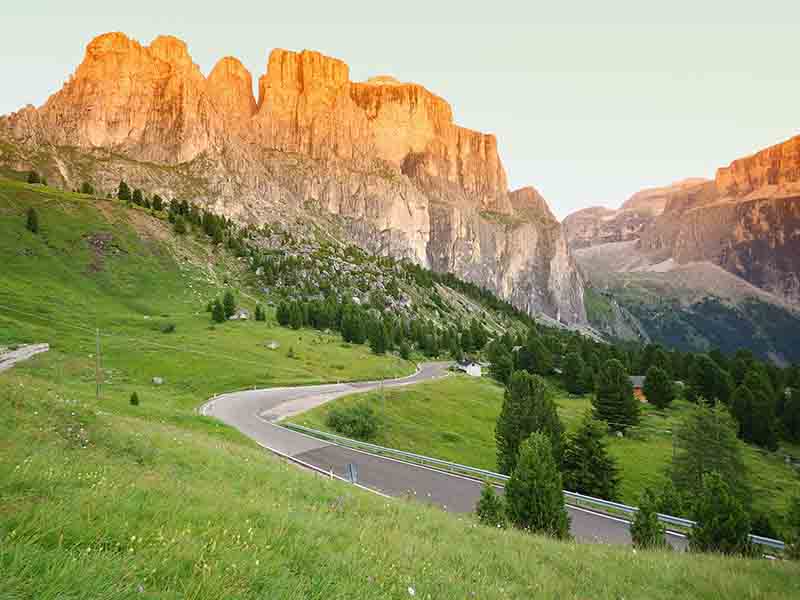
(470, 367)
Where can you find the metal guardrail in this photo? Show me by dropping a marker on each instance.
(484, 475)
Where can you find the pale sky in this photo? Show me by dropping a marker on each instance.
(591, 101)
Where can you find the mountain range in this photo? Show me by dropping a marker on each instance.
(701, 263)
(382, 164)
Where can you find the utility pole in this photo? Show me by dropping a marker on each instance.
(97, 376)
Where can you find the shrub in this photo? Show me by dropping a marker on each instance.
(168, 328)
(179, 225)
(357, 421)
(87, 188)
(134, 399)
(491, 509)
(647, 532)
(793, 539)
(32, 221)
(218, 312)
(33, 177)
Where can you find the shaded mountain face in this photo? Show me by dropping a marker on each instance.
(747, 221)
(382, 157)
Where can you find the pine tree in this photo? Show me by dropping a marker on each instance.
(573, 373)
(742, 410)
(179, 225)
(138, 197)
(33, 177)
(527, 408)
(793, 529)
(613, 400)
(658, 388)
(158, 202)
(791, 416)
(704, 442)
(501, 363)
(588, 468)
(218, 312)
(762, 428)
(534, 495)
(134, 399)
(229, 304)
(32, 220)
(490, 509)
(405, 350)
(707, 380)
(87, 188)
(282, 316)
(124, 192)
(722, 523)
(647, 532)
(377, 338)
(295, 315)
(587, 378)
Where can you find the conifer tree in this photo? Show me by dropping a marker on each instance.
(405, 350)
(134, 399)
(229, 304)
(490, 508)
(137, 197)
(158, 202)
(658, 388)
(647, 532)
(588, 468)
(33, 177)
(793, 527)
(377, 338)
(179, 225)
(761, 426)
(32, 220)
(791, 416)
(527, 408)
(534, 494)
(124, 192)
(87, 188)
(218, 312)
(573, 373)
(613, 399)
(722, 523)
(704, 442)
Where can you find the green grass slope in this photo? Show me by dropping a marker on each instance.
(100, 499)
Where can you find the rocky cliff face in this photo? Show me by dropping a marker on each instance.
(384, 157)
(747, 220)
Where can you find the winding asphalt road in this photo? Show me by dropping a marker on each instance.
(254, 413)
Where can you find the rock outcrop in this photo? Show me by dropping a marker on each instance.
(385, 157)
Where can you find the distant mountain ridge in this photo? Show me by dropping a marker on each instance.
(747, 221)
(384, 157)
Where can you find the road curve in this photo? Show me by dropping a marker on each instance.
(253, 412)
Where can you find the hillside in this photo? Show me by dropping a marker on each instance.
(385, 158)
(101, 499)
(696, 306)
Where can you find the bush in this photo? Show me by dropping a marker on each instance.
(357, 421)
(32, 221)
(491, 508)
(647, 532)
(134, 399)
(229, 304)
(218, 312)
(179, 225)
(33, 177)
(168, 328)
